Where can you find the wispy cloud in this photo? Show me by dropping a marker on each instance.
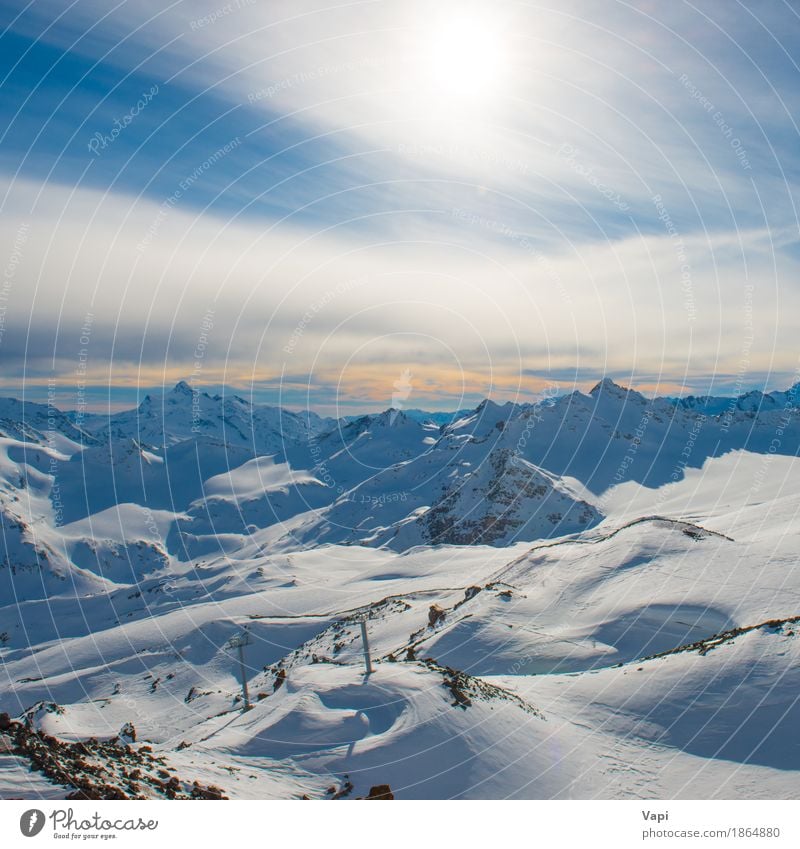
(621, 199)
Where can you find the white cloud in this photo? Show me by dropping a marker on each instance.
(302, 302)
(552, 259)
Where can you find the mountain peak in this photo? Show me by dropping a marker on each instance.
(607, 385)
(182, 388)
(489, 406)
(393, 416)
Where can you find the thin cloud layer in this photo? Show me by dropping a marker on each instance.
(326, 196)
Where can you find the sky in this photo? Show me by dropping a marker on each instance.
(309, 202)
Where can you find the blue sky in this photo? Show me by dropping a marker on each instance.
(302, 200)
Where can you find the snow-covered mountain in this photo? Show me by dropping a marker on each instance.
(40, 423)
(546, 583)
(753, 401)
(185, 413)
(226, 473)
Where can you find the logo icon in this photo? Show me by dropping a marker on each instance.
(31, 822)
(402, 389)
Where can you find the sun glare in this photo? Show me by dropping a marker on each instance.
(463, 59)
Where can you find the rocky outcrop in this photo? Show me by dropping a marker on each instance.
(380, 791)
(92, 769)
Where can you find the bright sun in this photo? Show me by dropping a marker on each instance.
(463, 59)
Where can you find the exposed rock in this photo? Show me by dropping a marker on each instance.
(464, 688)
(462, 700)
(127, 734)
(380, 791)
(346, 789)
(91, 769)
(702, 647)
(435, 615)
(210, 792)
(469, 593)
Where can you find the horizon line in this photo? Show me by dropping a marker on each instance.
(108, 407)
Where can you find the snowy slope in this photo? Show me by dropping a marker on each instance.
(590, 597)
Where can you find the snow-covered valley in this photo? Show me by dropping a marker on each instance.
(586, 596)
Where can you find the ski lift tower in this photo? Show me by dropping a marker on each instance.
(365, 642)
(239, 642)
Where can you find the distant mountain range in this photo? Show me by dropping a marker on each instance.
(88, 500)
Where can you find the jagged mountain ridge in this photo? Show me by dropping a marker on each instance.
(163, 419)
(495, 475)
